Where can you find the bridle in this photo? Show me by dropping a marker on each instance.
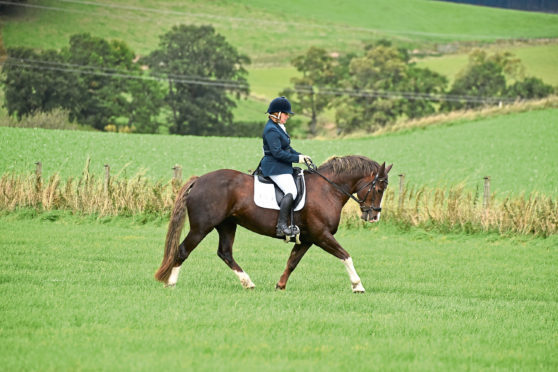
(312, 168)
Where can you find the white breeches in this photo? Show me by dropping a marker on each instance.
(285, 183)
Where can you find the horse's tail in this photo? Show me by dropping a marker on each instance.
(176, 224)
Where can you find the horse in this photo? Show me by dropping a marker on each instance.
(224, 199)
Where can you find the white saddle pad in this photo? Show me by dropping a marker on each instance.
(264, 195)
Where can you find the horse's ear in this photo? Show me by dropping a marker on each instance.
(388, 168)
(382, 169)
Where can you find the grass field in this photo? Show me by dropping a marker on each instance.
(254, 27)
(77, 295)
(539, 61)
(517, 151)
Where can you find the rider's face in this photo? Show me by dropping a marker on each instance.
(283, 117)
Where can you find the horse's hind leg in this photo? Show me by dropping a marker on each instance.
(190, 243)
(227, 230)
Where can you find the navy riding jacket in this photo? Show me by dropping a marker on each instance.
(278, 153)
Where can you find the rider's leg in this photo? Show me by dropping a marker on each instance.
(287, 185)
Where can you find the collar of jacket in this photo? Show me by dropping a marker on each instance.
(281, 129)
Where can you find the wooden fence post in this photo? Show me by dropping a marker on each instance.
(486, 198)
(38, 176)
(176, 178)
(107, 178)
(177, 175)
(401, 189)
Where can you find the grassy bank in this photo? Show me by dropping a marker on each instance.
(77, 295)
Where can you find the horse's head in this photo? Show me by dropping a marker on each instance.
(372, 192)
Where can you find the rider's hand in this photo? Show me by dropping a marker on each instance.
(304, 159)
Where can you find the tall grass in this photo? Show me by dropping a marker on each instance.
(453, 209)
(88, 194)
(459, 209)
(470, 115)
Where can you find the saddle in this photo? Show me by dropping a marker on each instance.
(268, 195)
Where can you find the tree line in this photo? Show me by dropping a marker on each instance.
(190, 81)
(372, 90)
(186, 82)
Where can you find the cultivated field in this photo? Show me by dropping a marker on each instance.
(78, 295)
(518, 152)
(311, 22)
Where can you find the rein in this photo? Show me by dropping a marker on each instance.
(312, 168)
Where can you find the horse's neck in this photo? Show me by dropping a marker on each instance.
(348, 182)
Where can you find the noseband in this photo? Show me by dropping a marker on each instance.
(365, 209)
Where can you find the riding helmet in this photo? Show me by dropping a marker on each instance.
(280, 104)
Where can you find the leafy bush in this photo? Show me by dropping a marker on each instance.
(529, 88)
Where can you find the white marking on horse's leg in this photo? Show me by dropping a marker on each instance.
(355, 279)
(173, 278)
(244, 279)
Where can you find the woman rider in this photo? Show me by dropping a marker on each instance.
(278, 158)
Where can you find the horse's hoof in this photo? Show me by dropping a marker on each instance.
(173, 285)
(358, 288)
(279, 288)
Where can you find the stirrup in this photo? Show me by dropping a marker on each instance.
(295, 233)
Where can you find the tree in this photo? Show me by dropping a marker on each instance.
(111, 85)
(422, 84)
(201, 68)
(37, 81)
(318, 70)
(530, 87)
(381, 70)
(483, 80)
(95, 80)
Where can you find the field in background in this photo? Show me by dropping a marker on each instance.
(78, 296)
(254, 28)
(518, 151)
(539, 61)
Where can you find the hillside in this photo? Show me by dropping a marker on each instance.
(518, 151)
(271, 35)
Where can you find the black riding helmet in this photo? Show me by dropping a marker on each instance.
(280, 104)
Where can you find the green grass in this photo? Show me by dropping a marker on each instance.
(517, 151)
(77, 295)
(539, 61)
(250, 25)
(268, 82)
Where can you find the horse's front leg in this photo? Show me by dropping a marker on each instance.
(296, 255)
(330, 245)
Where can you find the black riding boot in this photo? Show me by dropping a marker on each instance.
(282, 228)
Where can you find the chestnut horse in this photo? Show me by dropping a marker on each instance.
(224, 199)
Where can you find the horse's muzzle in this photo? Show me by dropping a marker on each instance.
(370, 216)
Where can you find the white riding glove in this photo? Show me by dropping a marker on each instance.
(304, 158)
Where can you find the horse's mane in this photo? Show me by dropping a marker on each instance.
(352, 164)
